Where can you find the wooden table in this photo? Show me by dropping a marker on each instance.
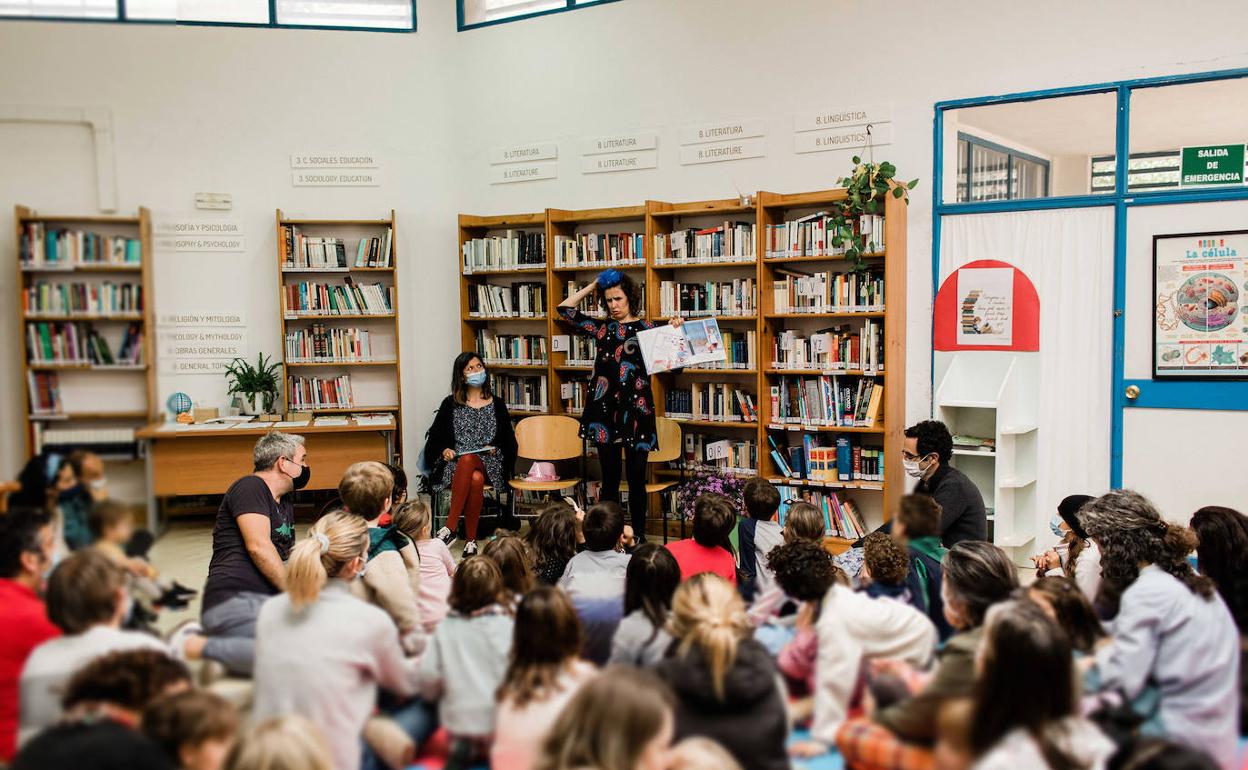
(207, 462)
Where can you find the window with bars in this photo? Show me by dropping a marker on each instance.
(389, 15)
(1145, 171)
(990, 172)
(480, 13)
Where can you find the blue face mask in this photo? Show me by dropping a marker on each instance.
(476, 379)
(1055, 524)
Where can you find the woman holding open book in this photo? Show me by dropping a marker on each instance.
(471, 442)
(620, 413)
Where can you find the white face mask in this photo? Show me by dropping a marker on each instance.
(914, 468)
(97, 484)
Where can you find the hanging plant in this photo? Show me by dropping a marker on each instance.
(866, 188)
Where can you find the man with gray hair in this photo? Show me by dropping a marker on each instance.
(252, 537)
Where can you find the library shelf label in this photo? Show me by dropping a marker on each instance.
(853, 138)
(843, 117)
(628, 161)
(523, 153)
(336, 178)
(523, 172)
(717, 153)
(333, 160)
(196, 227)
(722, 131)
(602, 145)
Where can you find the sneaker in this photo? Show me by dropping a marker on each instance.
(177, 638)
(182, 590)
(470, 548)
(446, 535)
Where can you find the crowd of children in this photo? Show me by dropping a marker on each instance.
(571, 649)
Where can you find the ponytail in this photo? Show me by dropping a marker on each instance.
(707, 612)
(335, 539)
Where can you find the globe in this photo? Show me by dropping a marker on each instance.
(178, 403)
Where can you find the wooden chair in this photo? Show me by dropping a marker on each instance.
(547, 438)
(671, 447)
(7, 488)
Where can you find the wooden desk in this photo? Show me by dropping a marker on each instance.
(206, 462)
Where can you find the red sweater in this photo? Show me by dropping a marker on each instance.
(24, 625)
(695, 559)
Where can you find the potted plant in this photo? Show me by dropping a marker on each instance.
(255, 386)
(707, 479)
(867, 185)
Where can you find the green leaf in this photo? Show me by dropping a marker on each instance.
(912, 184)
(898, 192)
(856, 160)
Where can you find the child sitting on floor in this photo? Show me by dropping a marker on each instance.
(884, 568)
(756, 536)
(194, 727)
(112, 526)
(435, 563)
(515, 562)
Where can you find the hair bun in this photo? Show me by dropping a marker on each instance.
(608, 278)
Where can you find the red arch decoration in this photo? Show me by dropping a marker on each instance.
(1026, 332)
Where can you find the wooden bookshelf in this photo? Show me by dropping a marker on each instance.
(875, 499)
(376, 382)
(86, 389)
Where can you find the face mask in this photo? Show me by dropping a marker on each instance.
(301, 481)
(476, 379)
(914, 468)
(97, 484)
(1055, 524)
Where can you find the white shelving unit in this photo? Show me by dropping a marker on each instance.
(993, 394)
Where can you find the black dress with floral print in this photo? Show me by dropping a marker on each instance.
(621, 404)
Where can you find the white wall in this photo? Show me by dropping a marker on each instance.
(219, 109)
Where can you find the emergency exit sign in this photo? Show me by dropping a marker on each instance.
(1217, 164)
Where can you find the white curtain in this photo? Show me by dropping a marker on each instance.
(1069, 256)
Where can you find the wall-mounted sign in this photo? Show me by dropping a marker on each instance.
(191, 235)
(522, 153)
(355, 177)
(717, 153)
(629, 161)
(619, 143)
(1200, 328)
(853, 138)
(523, 172)
(985, 306)
(723, 130)
(201, 342)
(1216, 164)
(842, 117)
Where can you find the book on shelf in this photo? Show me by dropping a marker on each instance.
(740, 352)
(319, 393)
(521, 393)
(85, 299)
(974, 444)
(795, 291)
(45, 393)
(349, 298)
(841, 517)
(733, 455)
(590, 307)
(833, 348)
(319, 343)
(590, 250)
(845, 401)
(301, 251)
(57, 247)
(729, 242)
(525, 299)
(581, 351)
(115, 441)
(711, 402)
(516, 349)
(513, 250)
(738, 297)
(50, 342)
(575, 395)
(818, 235)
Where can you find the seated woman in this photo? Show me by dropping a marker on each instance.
(469, 419)
(1075, 556)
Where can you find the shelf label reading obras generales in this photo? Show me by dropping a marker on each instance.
(202, 342)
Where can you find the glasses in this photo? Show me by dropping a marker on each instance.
(909, 455)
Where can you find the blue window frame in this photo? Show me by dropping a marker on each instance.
(988, 171)
(474, 14)
(349, 15)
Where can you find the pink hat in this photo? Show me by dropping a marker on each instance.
(542, 472)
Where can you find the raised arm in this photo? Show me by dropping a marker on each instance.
(576, 298)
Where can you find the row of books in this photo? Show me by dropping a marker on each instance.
(351, 298)
(590, 305)
(730, 455)
(319, 393)
(107, 298)
(827, 292)
(45, 392)
(740, 351)
(520, 393)
(817, 235)
(712, 401)
(582, 350)
(112, 440)
(600, 249)
(839, 347)
(720, 298)
(525, 349)
(73, 343)
(841, 517)
(519, 300)
(301, 251)
(328, 344)
(817, 458)
(730, 242)
(575, 396)
(59, 247)
(826, 401)
(514, 249)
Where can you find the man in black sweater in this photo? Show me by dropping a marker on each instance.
(925, 455)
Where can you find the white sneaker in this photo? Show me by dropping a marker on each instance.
(177, 638)
(446, 535)
(470, 548)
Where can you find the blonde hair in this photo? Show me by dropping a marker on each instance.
(709, 613)
(365, 487)
(411, 518)
(700, 753)
(283, 743)
(803, 522)
(335, 539)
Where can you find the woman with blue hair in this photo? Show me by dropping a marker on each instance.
(620, 412)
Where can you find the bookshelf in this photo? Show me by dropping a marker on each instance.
(338, 315)
(738, 266)
(85, 305)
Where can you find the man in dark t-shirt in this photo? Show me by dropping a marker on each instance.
(251, 540)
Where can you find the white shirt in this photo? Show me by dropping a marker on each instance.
(1076, 736)
(51, 665)
(519, 732)
(1087, 568)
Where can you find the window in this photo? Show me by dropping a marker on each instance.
(386, 15)
(1145, 171)
(481, 13)
(990, 172)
